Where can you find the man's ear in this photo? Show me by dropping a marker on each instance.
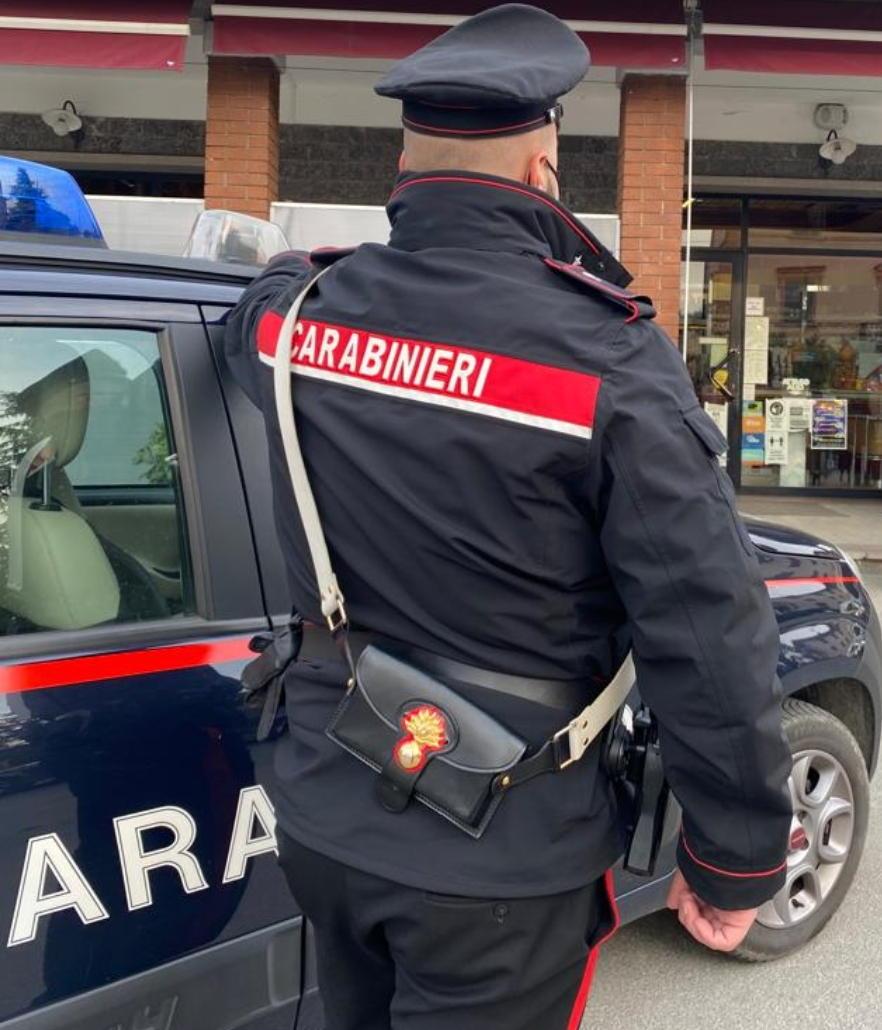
(537, 175)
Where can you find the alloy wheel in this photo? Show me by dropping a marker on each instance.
(820, 838)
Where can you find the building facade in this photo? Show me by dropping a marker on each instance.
(706, 115)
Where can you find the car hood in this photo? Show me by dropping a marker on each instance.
(778, 539)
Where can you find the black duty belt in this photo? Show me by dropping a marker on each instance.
(565, 695)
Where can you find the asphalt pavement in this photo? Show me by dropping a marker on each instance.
(651, 975)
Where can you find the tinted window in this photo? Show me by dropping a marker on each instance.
(91, 523)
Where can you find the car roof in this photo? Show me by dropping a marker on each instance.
(70, 268)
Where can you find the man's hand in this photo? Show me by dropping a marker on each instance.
(715, 928)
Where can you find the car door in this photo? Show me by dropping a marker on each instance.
(138, 885)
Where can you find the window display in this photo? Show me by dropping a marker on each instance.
(784, 337)
(819, 341)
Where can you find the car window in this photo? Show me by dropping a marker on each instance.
(91, 520)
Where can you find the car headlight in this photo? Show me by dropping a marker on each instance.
(852, 564)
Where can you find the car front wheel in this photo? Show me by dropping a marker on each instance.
(831, 801)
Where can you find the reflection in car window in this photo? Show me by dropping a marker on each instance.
(91, 521)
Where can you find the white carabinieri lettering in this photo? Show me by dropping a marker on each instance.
(137, 862)
(457, 377)
(47, 855)
(394, 362)
(52, 882)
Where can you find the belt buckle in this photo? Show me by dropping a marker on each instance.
(578, 740)
(337, 619)
(563, 763)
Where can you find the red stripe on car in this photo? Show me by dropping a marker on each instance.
(800, 580)
(66, 672)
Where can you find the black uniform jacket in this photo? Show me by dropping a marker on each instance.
(513, 470)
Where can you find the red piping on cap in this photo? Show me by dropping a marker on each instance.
(534, 123)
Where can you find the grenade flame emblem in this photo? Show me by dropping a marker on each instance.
(425, 731)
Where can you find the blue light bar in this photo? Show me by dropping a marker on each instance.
(41, 202)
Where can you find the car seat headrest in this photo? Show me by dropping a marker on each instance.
(55, 405)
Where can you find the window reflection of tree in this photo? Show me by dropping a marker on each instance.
(28, 209)
(126, 443)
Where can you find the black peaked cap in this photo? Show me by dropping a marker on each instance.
(497, 73)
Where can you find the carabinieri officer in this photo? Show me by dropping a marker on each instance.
(516, 482)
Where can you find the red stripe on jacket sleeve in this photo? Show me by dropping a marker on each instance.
(728, 872)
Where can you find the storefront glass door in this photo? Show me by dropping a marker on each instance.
(713, 342)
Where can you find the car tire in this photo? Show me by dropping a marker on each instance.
(818, 741)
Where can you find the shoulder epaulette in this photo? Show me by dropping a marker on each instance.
(287, 256)
(636, 306)
(322, 256)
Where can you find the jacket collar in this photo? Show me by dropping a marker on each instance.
(485, 212)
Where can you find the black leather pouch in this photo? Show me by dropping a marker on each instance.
(425, 741)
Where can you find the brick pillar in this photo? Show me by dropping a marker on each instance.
(242, 135)
(652, 188)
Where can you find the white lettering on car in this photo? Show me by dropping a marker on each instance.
(137, 863)
(51, 881)
(254, 806)
(44, 855)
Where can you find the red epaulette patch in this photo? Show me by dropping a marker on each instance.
(322, 256)
(636, 306)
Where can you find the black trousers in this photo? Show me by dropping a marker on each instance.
(392, 957)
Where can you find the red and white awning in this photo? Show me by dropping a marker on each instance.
(811, 37)
(95, 33)
(624, 39)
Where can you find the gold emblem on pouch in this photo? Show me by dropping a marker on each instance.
(425, 731)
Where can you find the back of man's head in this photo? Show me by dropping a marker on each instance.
(525, 158)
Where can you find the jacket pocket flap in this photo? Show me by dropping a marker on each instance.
(705, 429)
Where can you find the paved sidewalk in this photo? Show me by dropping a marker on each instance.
(854, 525)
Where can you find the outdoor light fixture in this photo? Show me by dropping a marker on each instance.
(837, 149)
(64, 121)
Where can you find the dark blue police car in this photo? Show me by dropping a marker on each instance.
(138, 887)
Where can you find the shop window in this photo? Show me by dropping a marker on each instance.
(812, 373)
(798, 290)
